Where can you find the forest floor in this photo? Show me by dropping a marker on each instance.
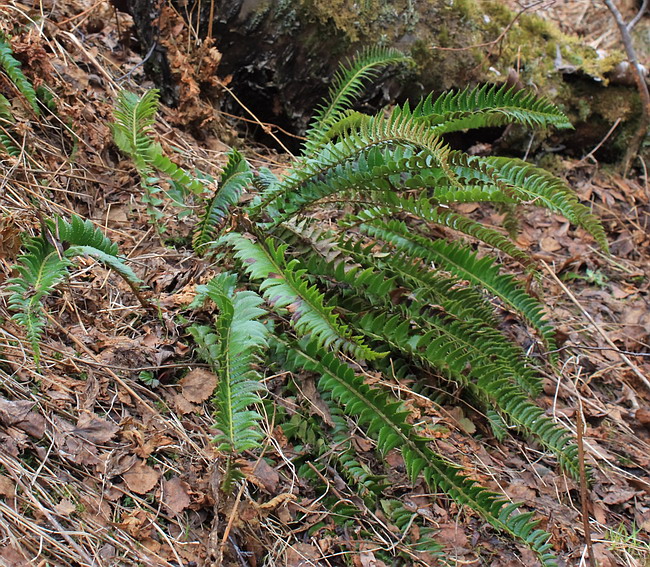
(105, 447)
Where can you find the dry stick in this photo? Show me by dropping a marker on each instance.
(584, 494)
(602, 333)
(638, 16)
(637, 140)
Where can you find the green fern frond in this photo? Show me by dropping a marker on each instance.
(285, 287)
(12, 68)
(463, 351)
(346, 88)
(242, 337)
(427, 210)
(404, 519)
(465, 264)
(41, 269)
(234, 179)
(7, 142)
(134, 120)
(386, 421)
(356, 161)
(233, 348)
(488, 106)
(538, 186)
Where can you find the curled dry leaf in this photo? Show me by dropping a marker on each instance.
(198, 385)
(19, 414)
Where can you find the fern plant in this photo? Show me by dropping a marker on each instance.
(132, 132)
(46, 263)
(396, 286)
(232, 346)
(11, 67)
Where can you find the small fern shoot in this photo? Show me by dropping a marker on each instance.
(43, 266)
(233, 347)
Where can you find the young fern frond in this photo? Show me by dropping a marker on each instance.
(347, 86)
(44, 266)
(133, 126)
(41, 269)
(236, 176)
(11, 66)
(285, 287)
(233, 348)
(132, 131)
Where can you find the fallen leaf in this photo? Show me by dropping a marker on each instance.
(302, 555)
(64, 507)
(13, 412)
(619, 496)
(141, 478)
(548, 244)
(198, 385)
(175, 495)
(12, 557)
(95, 429)
(7, 490)
(643, 416)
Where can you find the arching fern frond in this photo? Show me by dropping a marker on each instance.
(235, 177)
(541, 188)
(488, 106)
(347, 86)
(464, 263)
(285, 287)
(386, 421)
(12, 68)
(41, 269)
(44, 266)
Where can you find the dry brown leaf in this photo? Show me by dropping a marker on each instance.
(72, 447)
(266, 476)
(198, 385)
(141, 478)
(175, 495)
(65, 507)
(302, 555)
(317, 405)
(13, 412)
(548, 244)
(12, 557)
(95, 429)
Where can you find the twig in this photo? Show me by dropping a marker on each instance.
(584, 494)
(639, 15)
(637, 139)
(599, 145)
(602, 333)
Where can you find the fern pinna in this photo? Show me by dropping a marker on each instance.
(397, 282)
(45, 264)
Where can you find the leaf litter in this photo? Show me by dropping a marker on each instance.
(98, 467)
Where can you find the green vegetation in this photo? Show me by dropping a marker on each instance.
(395, 288)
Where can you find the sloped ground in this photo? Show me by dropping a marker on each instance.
(105, 453)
